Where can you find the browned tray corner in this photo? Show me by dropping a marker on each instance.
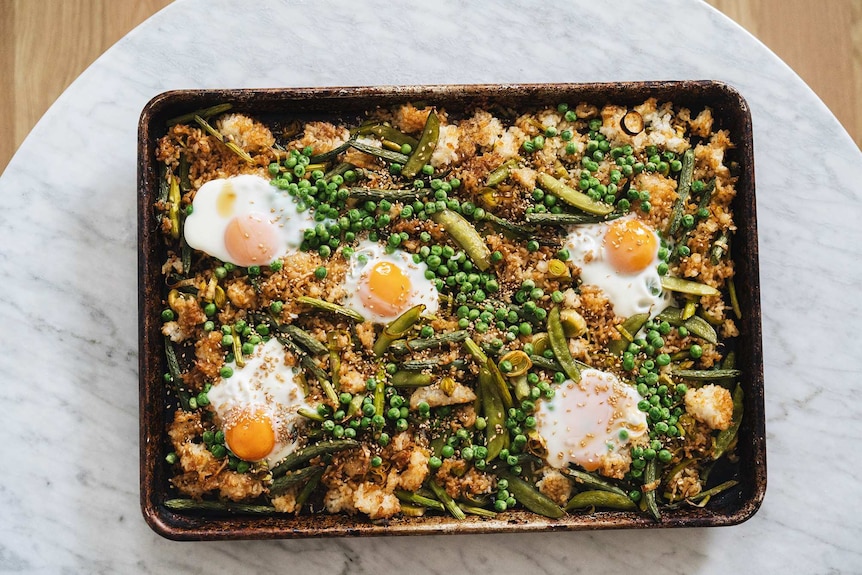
(277, 105)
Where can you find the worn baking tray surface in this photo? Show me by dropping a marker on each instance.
(280, 106)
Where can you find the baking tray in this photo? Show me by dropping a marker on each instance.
(279, 106)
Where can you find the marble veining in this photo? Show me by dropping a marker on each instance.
(68, 310)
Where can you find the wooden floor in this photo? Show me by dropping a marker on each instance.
(820, 39)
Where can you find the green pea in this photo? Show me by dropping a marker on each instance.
(695, 351)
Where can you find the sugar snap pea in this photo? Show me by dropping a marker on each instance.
(681, 285)
(500, 174)
(600, 498)
(727, 436)
(466, 236)
(424, 148)
(496, 435)
(410, 379)
(695, 324)
(397, 328)
(630, 327)
(531, 498)
(592, 481)
(573, 197)
(499, 383)
(650, 474)
(386, 132)
(560, 346)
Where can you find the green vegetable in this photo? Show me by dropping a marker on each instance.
(424, 149)
(592, 481)
(682, 191)
(573, 197)
(204, 113)
(466, 236)
(560, 346)
(603, 499)
(501, 173)
(695, 324)
(447, 501)
(386, 132)
(627, 329)
(421, 344)
(288, 480)
(416, 499)
(382, 153)
(532, 498)
(564, 219)
(707, 374)
(727, 436)
(331, 307)
(410, 379)
(306, 454)
(650, 474)
(176, 376)
(330, 155)
(303, 339)
(392, 195)
(397, 328)
(687, 286)
(496, 436)
(218, 507)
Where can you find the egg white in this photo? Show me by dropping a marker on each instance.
(629, 294)
(205, 227)
(265, 384)
(367, 254)
(581, 424)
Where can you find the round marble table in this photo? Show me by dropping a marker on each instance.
(69, 487)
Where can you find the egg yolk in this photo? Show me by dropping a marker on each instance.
(386, 288)
(251, 437)
(630, 246)
(251, 240)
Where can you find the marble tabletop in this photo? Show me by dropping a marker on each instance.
(68, 311)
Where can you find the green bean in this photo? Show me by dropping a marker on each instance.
(218, 506)
(203, 113)
(496, 436)
(421, 344)
(382, 153)
(560, 346)
(466, 236)
(432, 363)
(726, 437)
(681, 285)
(303, 339)
(630, 327)
(603, 499)
(447, 501)
(695, 324)
(683, 190)
(650, 474)
(308, 488)
(532, 498)
(338, 170)
(416, 499)
(719, 248)
(573, 197)
(330, 155)
(501, 173)
(706, 374)
(309, 452)
(386, 132)
(397, 328)
(410, 379)
(375, 194)
(506, 225)
(424, 147)
(547, 218)
(183, 395)
(334, 308)
(590, 480)
(220, 137)
(288, 480)
(334, 358)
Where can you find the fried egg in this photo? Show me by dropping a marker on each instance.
(257, 406)
(590, 421)
(620, 258)
(245, 220)
(381, 286)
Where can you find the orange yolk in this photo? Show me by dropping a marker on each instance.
(385, 289)
(251, 436)
(630, 246)
(251, 240)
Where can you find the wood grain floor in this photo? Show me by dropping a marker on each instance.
(46, 44)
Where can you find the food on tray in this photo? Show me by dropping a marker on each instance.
(424, 311)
